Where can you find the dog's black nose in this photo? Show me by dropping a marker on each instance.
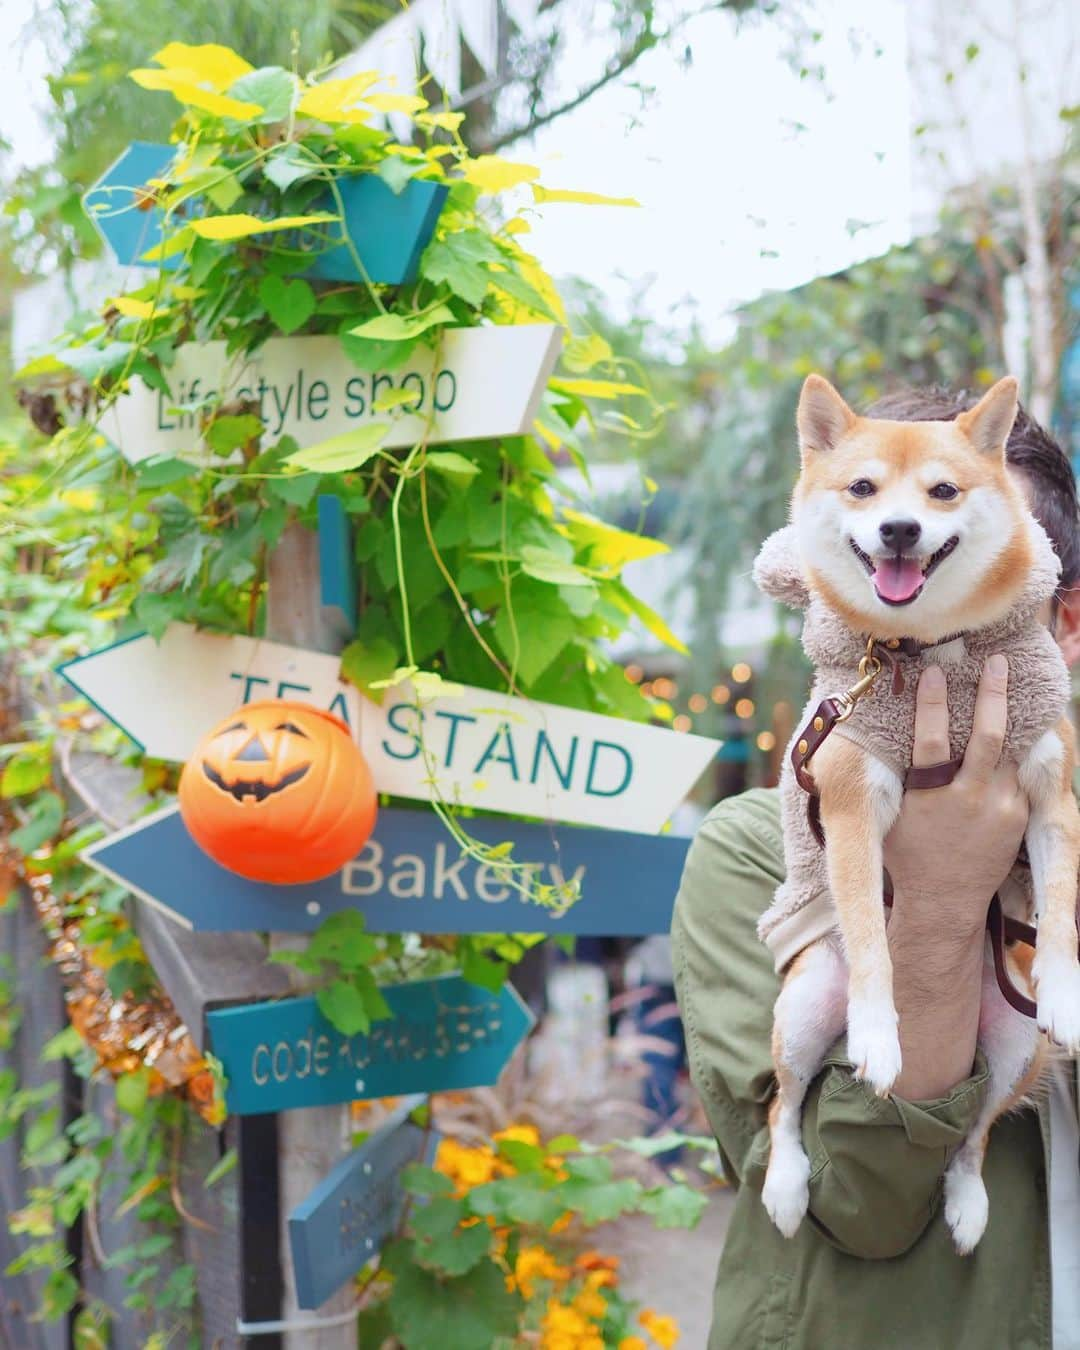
(900, 534)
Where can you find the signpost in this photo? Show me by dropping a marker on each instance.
(443, 1034)
(485, 750)
(476, 384)
(349, 1215)
(411, 878)
(388, 230)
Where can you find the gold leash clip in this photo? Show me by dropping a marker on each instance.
(869, 670)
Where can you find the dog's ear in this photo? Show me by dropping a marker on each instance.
(823, 416)
(988, 424)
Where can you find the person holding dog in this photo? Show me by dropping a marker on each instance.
(872, 1265)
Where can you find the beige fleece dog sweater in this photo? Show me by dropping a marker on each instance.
(883, 722)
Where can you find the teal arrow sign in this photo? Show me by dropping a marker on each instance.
(388, 230)
(412, 878)
(443, 1034)
(345, 1220)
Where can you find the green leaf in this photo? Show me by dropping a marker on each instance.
(450, 463)
(402, 327)
(460, 260)
(674, 1206)
(64, 1045)
(272, 88)
(221, 1168)
(458, 1252)
(543, 565)
(229, 433)
(368, 355)
(345, 1006)
(59, 1294)
(519, 289)
(160, 471)
(339, 454)
(533, 629)
(521, 1199)
(298, 489)
(524, 1157)
(156, 612)
(46, 817)
(479, 970)
(90, 362)
(420, 1180)
(132, 1091)
(25, 772)
(467, 1313)
(364, 663)
(287, 165)
(289, 303)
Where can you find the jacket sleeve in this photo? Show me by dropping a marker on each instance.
(876, 1165)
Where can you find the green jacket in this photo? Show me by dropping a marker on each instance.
(872, 1267)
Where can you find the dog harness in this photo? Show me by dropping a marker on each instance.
(837, 708)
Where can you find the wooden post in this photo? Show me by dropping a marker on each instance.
(313, 1140)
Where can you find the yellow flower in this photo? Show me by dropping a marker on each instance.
(663, 1330)
(521, 1134)
(467, 1167)
(632, 1343)
(536, 1263)
(565, 1328)
(600, 1279)
(562, 1222)
(591, 1304)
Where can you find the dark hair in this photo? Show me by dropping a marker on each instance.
(1030, 448)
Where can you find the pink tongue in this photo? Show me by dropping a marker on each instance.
(898, 578)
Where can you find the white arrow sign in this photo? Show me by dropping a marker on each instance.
(485, 750)
(479, 383)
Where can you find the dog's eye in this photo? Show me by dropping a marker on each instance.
(862, 487)
(944, 492)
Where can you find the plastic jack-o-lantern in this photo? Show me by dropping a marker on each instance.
(279, 792)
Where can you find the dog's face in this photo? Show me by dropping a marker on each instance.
(910, 529)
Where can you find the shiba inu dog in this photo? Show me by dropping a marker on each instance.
(911, 544)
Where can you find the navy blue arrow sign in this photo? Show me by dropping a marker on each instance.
(411, 878)
(345, 1220)
(443, 1034)
(388, 230)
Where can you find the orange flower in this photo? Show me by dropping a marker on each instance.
(663, 1330)
(562, 1223)
(600, 1279)
(536, 1263)
(596, 1261)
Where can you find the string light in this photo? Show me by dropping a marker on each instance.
(698, 703)
(744, 708)
(721, 693)
(682, 723)
(634, 674)
(741, 672)
(766, 741)
(665, 688)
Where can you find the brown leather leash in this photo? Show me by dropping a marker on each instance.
(837, 708)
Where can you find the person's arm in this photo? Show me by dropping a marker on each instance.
(876, 1164)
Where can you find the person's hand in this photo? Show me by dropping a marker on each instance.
(952, 847)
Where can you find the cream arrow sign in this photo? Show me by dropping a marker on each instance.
(478, 384)
(494, 752)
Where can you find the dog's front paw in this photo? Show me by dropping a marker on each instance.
(966, 1207)
(873, 1043)
(786, 1193)
(1057, 985)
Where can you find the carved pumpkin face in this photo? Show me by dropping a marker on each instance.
(279, 792)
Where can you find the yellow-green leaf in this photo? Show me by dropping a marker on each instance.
(172, 243)
(543, 194)
(218, 66)
(402, 327)
(404, 103)
(607, 389)
(184, 86)
(653, 623)
(241, 225)
(131, 308)
(451, 463)
(441, 121)
(582, 353)
(339, 454)
(491, 174)
(336, 100)
(609, 546)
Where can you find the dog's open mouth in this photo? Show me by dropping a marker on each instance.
(898, 579)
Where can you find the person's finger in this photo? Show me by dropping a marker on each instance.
(988, 727)
(931, 719)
